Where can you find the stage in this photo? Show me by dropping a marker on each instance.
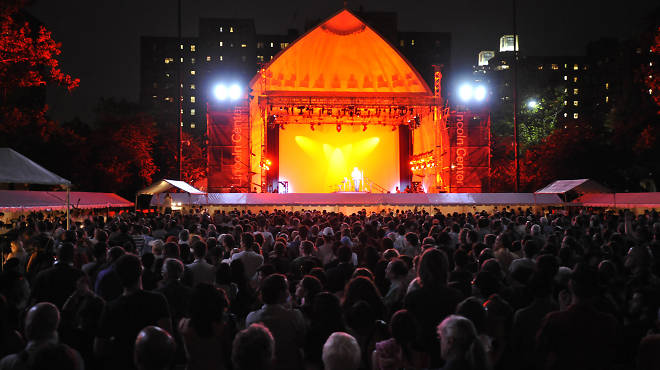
(372, 202)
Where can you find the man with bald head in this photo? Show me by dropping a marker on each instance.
(154, 349)
(41, 324)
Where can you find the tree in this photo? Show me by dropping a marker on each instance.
(122, 146)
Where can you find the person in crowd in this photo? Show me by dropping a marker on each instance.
(249, 255)
(107, 285)
(41, 324)
(201, 271)
(397, 274)
(433, 301)
(154, 349)
(207, 333)
(460, 346)
(341, 352)
(253, 348)
(400, 351)
(57, 283)
(124, 317)
(580, 337)
(287, 325)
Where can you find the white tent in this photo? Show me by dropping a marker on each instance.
(16, 168)
(572, 189)
(166, 185)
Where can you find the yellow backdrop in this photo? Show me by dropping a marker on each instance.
(317, 161)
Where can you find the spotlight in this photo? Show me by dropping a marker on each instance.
(339, 127)
(532, 104)
(465, 92)
(234, 92)
(220, 92)
(480, 93)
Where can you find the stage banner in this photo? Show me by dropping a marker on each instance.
(469, 152)
(228, 150)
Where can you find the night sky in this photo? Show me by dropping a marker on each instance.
(101, 38)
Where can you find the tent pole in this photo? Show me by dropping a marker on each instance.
(68, 200)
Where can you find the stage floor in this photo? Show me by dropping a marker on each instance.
(349, 202)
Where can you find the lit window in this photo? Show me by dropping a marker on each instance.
(243, 45)
(272, 45)
(607, 85)
(565, 102)
(167, 75)
(575, 116)
(575, 67)
(575, 91)
(192, 60)
(231, 29)
(192, 125)
(650, 91)
(220, 28)
(192, 112)
(192, 72)
(540, 68)
(192, 99)
(565, 65)
(169, 60)
(192, 86)
(565, 90)
(156, 97)
(554, 66)
(192, 47)
(565, 78)
(607, 99)
(260, 58)
(271, 57)
(181, 46)
(575, 79)
(575, 103)
(412, 42)
(284, 45)
(221, 58)
(565, 115)
(208, 58)
(181, 60)
(222, 44)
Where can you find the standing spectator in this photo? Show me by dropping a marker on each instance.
(200, 270)
(460, 346)
(580, 337)
(207, 334)
(108, 286)
(433, 301)
(154, 349)
(249, 256)
(253, 348)
(57, 283)
(341, 352)
(287, 325)
(123, 318)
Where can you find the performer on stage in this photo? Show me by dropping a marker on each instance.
(357, 178)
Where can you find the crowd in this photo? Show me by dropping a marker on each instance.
(510, 289)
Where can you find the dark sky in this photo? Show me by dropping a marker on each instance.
(100, 38)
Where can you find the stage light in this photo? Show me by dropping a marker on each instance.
(465, 92)
(338, 127)
(220, 92)
(532, 104)
(234, 92)
(480, 93)
(364, 128)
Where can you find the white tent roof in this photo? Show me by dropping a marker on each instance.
(16, 168)
(580, 185)
(165, 185)
(22, 200)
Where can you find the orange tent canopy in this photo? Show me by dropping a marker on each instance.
(341, 55)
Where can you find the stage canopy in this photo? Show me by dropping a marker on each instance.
(582, 186)
(165, 185)
(22, 200)
(341, 55)
(15, 168)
